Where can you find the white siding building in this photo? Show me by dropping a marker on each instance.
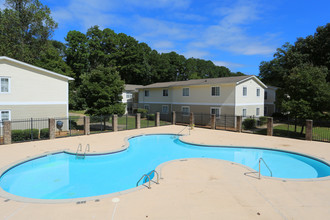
(28, 91)
(241, 95)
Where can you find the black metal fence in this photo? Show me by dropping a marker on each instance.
(69, 126)
(321, 130)
(29, 129)
(226, 122)
(101, 123)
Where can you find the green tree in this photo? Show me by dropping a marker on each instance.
(25, 28)
(102, 90)
(307, 94)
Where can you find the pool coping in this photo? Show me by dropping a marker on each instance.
(158, 169)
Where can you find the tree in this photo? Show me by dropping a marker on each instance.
(25, 28)
(102, 90)
(307, 94)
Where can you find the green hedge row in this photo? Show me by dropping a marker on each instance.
(24, 135)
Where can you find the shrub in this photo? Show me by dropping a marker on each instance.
(143, 112)
(151, 117)
(23, 135)
(249, 123)
(262, 120)
(44, 133)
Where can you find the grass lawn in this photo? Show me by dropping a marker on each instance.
(77, 112)
(319, 133)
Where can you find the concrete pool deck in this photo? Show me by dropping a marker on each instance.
(189, 189)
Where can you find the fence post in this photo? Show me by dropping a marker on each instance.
(173, 118)
(191, 119)
(138, 120)
(7, 132)
(309, 130)
(239, 123)
(213, 120)
(87, 130)
(157, 119)
(115, 122)
(51, 128)
(269, 126)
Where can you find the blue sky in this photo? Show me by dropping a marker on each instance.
(238, 34)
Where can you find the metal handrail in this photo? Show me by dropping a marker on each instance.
(142, 178)
(154, 171)
(184, 129)
(89, 149)
(78, 148)
(260, 159)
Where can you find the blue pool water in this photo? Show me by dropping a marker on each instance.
(62, 176)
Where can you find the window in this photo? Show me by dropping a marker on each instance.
(258, 92)
(165, 92)
(257, 111)
(146, 93)
(4, 84)
(265, 110)
(185, 110)
(185, 92)
(165, 109)
(215, 91)
(215, 111)
(244, 112)
(129, 95)
(244, 91)
(266, 94)
(147, 107)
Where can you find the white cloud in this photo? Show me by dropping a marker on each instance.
(152, 4)
(161, 45)
(230, 33)
(229, 65)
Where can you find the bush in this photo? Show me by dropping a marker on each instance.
(249, 123)
(24, 135)
(262, 120)
(44, 133)
(143, 112)
(151, 117)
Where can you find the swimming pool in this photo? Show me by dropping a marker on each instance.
(63, 176)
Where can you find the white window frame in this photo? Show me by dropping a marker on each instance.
(129, 95)
(215, 91)
(245, 89)
(147, 106)
(146, 93)
(185, 113)
(257, 111)
(258, 92)
(217, 116)
(165, 112)
(244, 111)
(164, 92)
(9, 117)
(9, 82)
(185, 89)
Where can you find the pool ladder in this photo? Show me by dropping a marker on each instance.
(149, 180)
(260, 159)
(188, 126)
(82, 156)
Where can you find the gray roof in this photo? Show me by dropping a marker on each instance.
(131, 87)
(209, 81)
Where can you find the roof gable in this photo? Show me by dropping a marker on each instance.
(19, 64)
